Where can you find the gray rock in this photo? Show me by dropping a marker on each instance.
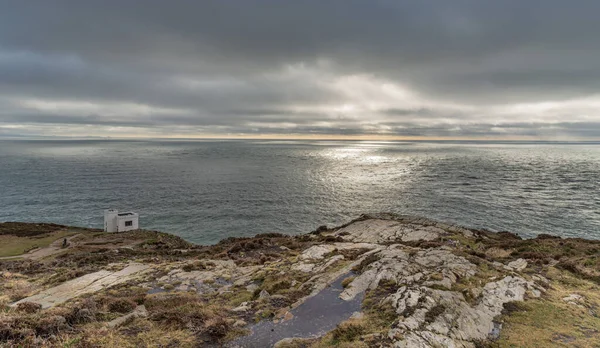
(456, 323)
(540, 279)
(517, 265)
(329, 263)
(264, 294)
(357, 315)
(239, 323)
(574, 299)
(86, 284)
(244, 307)
(138, 312)
(535, 293)
(318, 252)
(380, 231)
(395, 264)
(303, 267)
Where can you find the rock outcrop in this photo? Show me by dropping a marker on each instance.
(382, 280)
(89, 283)
(433, 318)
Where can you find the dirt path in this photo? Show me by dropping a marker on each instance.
(40, 253)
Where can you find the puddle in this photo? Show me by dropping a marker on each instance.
(156, 290)
(495, 333)
(315, 317)
(222, 281)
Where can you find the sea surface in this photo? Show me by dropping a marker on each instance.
(205, 191)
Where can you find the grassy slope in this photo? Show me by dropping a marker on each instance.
(552, 322)
(12, 245)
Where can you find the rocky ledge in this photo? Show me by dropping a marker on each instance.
(379, 281)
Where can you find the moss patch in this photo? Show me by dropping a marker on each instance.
(551, 321)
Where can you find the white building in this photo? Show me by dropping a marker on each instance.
(120, 222)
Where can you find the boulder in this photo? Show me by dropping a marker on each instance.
(517, 265)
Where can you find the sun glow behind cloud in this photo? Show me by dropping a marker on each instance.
(376, 70)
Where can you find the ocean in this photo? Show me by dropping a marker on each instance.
(205, 191)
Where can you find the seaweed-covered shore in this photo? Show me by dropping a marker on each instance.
(381, 280)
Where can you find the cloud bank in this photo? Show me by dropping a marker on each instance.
(431, 68)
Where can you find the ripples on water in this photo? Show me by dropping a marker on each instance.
(205, 191)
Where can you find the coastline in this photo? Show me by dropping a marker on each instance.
(417, 282)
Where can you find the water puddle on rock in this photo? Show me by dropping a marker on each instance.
(156, 290)
(315, 317)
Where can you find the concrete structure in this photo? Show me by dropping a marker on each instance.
(120, 222)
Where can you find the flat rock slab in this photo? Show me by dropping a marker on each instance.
(318, 252)
(86, 284)
(382, 231)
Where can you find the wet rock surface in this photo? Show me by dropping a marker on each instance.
(313, 318)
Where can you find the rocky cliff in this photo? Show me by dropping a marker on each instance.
(379, 281)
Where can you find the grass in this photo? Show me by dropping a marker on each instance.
(347, 333)
(277, 283)
(13, 246)
(15, 288)
(366, 262)
(352, 333)
(551, 322)
(237, 297)
(434, 312)
(466, 285)
(346, 282)
(140, 333)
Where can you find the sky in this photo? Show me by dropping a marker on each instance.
(426, 69)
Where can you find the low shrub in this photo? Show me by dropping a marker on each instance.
(347, 333)
(121, 305)
(29, 307)
(366, 262)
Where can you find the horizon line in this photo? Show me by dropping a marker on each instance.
(314, 137)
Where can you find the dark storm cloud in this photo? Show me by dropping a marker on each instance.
(280, 66)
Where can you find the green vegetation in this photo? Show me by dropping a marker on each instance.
(11, 245)
(346, 282)
(237, 296)
(553, 322)
(365, 263)
(347, 332)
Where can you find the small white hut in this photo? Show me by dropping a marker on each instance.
(120, 222)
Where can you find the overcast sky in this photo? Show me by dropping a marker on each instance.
(155, 68)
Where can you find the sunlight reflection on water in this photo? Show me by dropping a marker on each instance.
(209, 190)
